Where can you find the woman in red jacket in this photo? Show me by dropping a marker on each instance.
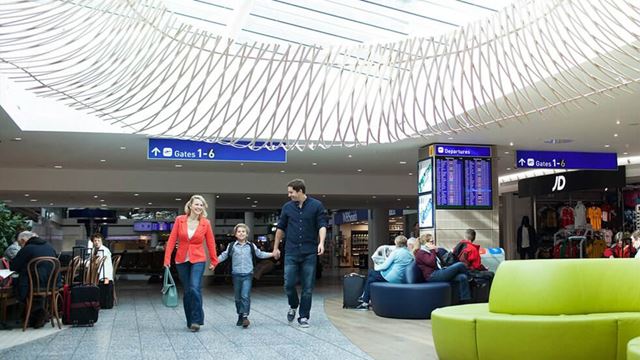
(191, 231)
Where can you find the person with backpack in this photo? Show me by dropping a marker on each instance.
(242, 254)
(434, 270)
(468, 253)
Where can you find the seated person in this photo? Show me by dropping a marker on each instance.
(13, 249)
(105, 274)
(382, 253)
(469, 253)
(618, 249)
(392, 270)
(33, 248)
(433, 271)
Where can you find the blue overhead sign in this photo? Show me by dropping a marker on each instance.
(459, 150)
(566, 160)
(174, 149)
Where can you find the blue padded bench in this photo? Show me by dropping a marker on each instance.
(414, 300)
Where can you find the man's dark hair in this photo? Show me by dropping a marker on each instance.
(298, 185)
(97, 235)
(470, 234)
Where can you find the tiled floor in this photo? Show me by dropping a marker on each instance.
(140, 327)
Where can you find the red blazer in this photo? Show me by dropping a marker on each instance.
(194, 246)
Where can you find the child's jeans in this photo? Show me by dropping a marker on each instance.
(242, 290)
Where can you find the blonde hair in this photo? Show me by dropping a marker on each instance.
(401, 241)
(240, 225)
(422, 240)
(187, 206)
(636, 235)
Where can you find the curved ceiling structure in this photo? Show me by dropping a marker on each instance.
(137, 65)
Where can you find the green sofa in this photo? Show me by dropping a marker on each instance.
(547, 309)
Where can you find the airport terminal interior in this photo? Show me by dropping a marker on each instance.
(470, 179)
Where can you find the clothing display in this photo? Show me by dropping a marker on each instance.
(567, 216)
(580, 212)
(594, 214)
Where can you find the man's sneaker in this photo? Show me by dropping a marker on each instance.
(362, 306)
(239, 322)
(195, 327)
(245, 322)
(291, 315)
(303, 322)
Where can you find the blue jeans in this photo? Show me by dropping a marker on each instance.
(302, 266)
(242, 291)
(456, 273)
(191, 279)
(374, 276)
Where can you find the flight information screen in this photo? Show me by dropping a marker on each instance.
(478, 192)
(450, 182)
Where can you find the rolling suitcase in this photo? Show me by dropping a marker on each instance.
(84, 299)
(353, 285)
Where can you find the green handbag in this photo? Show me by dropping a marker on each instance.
(169, 291)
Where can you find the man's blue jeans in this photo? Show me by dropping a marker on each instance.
(373, 276)
(242, 291)
(456, 273)
(301, 266)
(191, 279)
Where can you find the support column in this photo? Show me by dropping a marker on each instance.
(211, 215)
(250, 220)
(378, 230)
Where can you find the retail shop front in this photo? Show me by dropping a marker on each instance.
(352, 236)
(575, 213)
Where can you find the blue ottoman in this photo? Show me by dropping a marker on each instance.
(409, 301)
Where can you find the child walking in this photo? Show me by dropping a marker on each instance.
(242, 254)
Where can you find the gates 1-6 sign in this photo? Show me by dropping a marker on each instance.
(174, 149)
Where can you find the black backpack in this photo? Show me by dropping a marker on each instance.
(459, 249)
(446, 257)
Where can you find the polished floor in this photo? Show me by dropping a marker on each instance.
(140, 327)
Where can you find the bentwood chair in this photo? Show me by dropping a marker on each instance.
(115, 260)
(43, 283)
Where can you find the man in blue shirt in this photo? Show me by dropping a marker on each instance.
(303, 224)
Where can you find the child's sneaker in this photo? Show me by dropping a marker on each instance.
(239, 322)
(245, 322)
(362, 306)
(303, 322)
(291, 315)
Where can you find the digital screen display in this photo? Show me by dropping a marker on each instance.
(425, 210)
(477, 183)
(450, 182)
(143, 226)
(425, 176)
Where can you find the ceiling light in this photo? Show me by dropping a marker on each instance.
(248, 197)
(50, 204)
(150, 203)
(254, 206)
(7, 201)
(450, 138)
(136, 194)
(178, 199)
(33, 200)
(16, 139)
(241, 164)
(314, 164)
(324, 195)
(101, 200)
(123, 148)
(349, 156)
(95, 196)
(178, 165)
(27, 195)
(617, 122)
(410, 174)
(607, 145)
(255, 201)
(217, 196)
(625, 153)
(103, 160)
(373, 197)
(399, 199)
(508, 169)
(57, 166)
(511, 143)
(407, 206)
(403, 163)
(359, 170)
(506, 153)
(615, 135)
(282, 171)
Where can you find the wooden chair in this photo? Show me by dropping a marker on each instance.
(92, 275)
(115, 260)
(47, 289)
(72, 270)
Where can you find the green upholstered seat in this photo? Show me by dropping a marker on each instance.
(633, 349)
(547, 309)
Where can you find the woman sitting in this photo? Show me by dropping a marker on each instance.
(392, 270)
(432, 270)
(619, 249)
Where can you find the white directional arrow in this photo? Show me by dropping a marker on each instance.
(155, 151)
(521, 162)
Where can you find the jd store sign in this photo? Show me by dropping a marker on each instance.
(572, 181)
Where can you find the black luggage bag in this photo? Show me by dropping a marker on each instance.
(106, 295)
(85, 298)
(352, 288)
